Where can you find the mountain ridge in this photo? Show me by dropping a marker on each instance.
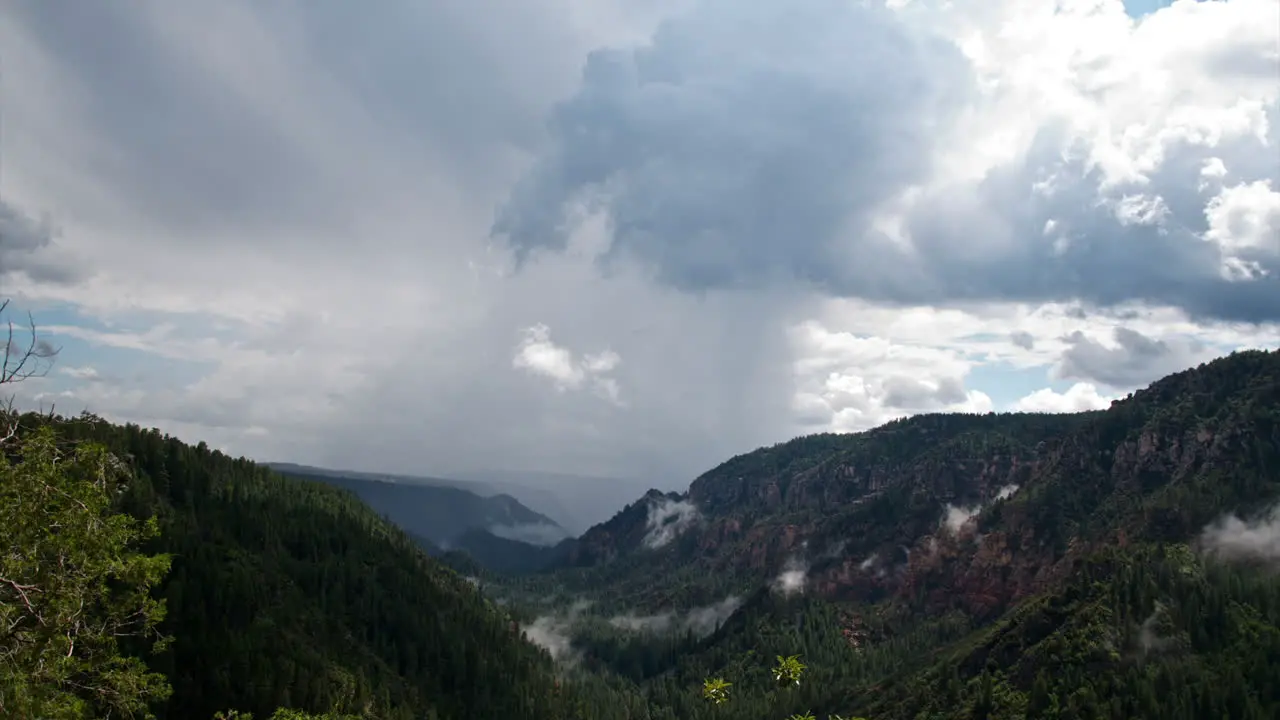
(442, 513)
(804, 497)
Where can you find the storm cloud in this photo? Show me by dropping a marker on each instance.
(747, 144)
(753, 145)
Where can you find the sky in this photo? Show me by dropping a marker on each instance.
(628, 237)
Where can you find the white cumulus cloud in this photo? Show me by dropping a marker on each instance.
(538, 355)
(1080, 397)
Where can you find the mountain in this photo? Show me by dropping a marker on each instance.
(287, 593)
(1015, 496)
(442, 514)
(525, 487)
(575, 501)
(972, 565)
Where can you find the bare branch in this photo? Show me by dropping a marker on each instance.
(18, 364)
(21, 363)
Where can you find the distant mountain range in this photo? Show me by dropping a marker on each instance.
(439, 511)
(574, 502)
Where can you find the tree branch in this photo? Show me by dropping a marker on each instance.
(22, 593)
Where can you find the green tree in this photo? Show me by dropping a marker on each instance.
(74, 585)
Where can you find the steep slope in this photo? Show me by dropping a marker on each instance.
(442, 514)
(287, 593)
(1150, 631)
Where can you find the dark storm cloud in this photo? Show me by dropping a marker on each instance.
(234, 115)
(747, 145)
(21, 239)
(735, 148)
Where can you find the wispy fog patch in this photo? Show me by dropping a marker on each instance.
(869, 563)
(532, 533)
(956, 518)
(1231, 538)
(475, 581)
(554, 632)
(667, 519)
(701, 621)
(1006, 492)
(643, 623)
(704, 620)
(792, 578)
(551, 634)
(1149, 639)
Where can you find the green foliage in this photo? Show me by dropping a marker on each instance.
(75, 590)
(1147, 632)
(788, 670)
(716, 690)
(787, 674)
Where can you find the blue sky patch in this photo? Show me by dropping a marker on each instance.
(119, 367)
(1140, 8)
(1006, 384)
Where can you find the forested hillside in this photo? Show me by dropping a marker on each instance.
(286, 593)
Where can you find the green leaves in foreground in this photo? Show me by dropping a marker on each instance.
(73, 586)
(787, 674)
(788, 671)
(716, 690)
